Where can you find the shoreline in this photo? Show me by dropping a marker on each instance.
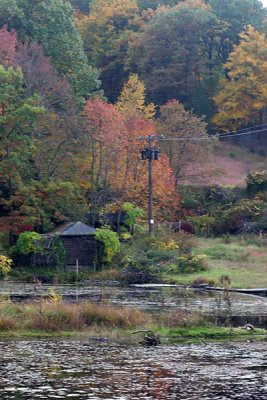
(219, 335)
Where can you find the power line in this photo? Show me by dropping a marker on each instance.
(225, 135)
(245, 129)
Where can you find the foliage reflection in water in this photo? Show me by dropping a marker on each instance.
(91, 369)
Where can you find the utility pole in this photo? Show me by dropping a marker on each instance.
(150, 205)
(150, 153)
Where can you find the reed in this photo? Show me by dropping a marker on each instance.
(7, 323)
(56, 316)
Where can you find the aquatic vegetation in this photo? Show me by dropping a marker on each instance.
(56, 316)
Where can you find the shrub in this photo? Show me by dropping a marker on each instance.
(53, 249)
(29, 243)
(108, 275)
(262, 223)
(200, 280)
(136, 274)
(257, 181)
(246, 211)
(204, 224)
(166, 239)
(132, 215)
(146, 258)
(190, 264)
(26, 242)
(5, 265)
(111, 244)
(204, 199)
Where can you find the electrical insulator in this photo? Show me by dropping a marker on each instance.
(144, 154)
(156, 154)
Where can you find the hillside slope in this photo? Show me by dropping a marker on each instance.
(233, 163)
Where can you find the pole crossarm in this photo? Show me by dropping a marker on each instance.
(152, 137)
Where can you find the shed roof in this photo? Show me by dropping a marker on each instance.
(74, 229)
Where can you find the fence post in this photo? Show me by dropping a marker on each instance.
(77, 267)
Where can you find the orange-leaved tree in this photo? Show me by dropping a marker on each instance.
(100, 149)
(133, 179)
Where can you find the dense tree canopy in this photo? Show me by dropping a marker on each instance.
(69, 147)
(105, 34)
(236, 14)
(51, 23)
(169, 55)
(243, 96)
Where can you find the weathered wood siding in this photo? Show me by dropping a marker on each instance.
(81, 248)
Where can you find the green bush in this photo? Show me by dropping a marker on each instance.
(262, 223)
(132, 215)
(204, 224)
(257, 181)
(30, 243)
(110, 244)
(244, 215)
(26, 242)
(244, 212)
(190, 264)
(206, 198)
(53, 249)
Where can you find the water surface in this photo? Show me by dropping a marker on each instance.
(155, 300)
(91, 369)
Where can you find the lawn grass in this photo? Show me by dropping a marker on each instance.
(242, 260)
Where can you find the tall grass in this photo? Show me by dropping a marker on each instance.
(59, 316)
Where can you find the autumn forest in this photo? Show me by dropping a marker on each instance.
(81, 80)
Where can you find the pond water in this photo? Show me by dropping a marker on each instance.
(150, 299)
(101, 369)
(91, 369)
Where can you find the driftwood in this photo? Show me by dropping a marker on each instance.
(150, 338)
(248, 327)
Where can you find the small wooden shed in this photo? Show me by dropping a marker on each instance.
(79, 243)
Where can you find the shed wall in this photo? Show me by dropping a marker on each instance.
(81, 248)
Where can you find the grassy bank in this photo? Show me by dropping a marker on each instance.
(243, 260)
(57, 318)
(167, 256)
(209, 332)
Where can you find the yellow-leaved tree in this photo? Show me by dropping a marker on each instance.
(131, 102)
(243, 96)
